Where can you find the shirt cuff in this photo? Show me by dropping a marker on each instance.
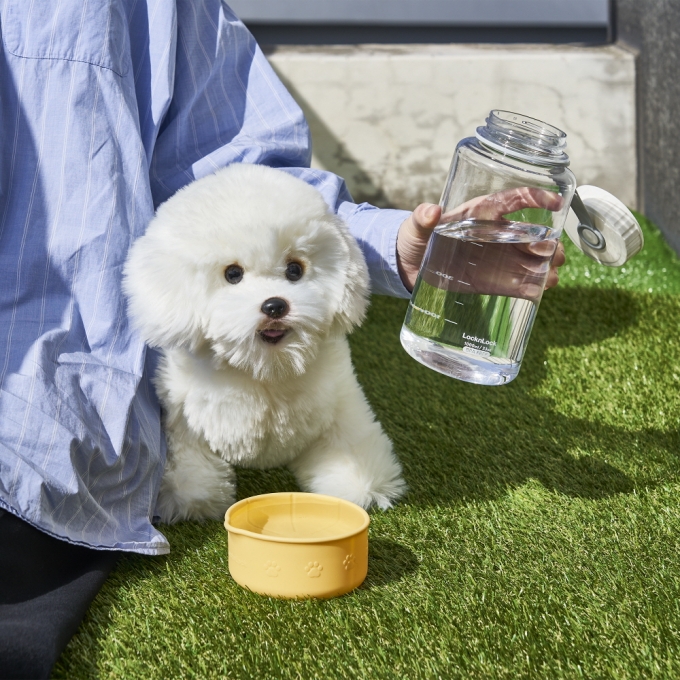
(376, 231)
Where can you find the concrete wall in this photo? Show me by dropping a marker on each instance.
(653, 27)
(387, 118)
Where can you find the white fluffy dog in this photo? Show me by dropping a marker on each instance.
(249, 285)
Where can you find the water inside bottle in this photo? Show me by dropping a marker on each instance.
(476, 297)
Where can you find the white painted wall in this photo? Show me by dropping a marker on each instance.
(387, 118)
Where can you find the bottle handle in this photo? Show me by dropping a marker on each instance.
(586, 229)
(604, 229)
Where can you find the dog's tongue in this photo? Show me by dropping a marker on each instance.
(273, 334)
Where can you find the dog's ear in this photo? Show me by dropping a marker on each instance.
(162, 292)
(354, 301)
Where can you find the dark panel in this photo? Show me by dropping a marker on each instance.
(653, 27)
(335, 34)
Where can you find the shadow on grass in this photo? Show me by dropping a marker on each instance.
(186, 540)
(459, 441)
(388, 561)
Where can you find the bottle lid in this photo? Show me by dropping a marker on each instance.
(613, 235)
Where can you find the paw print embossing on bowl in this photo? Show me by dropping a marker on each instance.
(313, 570)
(348, 562)
(271, 568)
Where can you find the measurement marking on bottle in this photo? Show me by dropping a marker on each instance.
(455, 323)
(479, 245)
(476, 352)
(425, 311)
(444, 276)
(460, 303)
(472, 263)
(465, 283)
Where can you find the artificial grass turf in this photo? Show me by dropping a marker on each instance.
(539, 537)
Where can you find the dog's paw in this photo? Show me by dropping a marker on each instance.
(366, 473)
(386, 496)
(195, 487)
(172, 507)
(361, 491)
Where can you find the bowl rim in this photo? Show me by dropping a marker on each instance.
(283, 539)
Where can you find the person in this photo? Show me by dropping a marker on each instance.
(107, 108)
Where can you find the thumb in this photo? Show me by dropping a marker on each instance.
(425, 218)
(412, 240)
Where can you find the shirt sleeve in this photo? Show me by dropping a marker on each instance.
(229, 106)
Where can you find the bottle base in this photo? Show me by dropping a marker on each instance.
(455, 363)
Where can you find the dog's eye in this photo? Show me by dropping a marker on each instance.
(233, 273)
(294, 271)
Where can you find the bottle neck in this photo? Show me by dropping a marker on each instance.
(524, 138)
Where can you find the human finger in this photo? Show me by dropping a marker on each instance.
(511, 200)
(560, 255)
(559, 259)
(425, 218)
(412, 239)
(494, 206)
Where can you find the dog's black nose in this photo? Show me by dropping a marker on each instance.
(275, 308)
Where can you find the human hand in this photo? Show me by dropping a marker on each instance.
(415, 231)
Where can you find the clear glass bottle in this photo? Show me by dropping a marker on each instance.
(504, 206)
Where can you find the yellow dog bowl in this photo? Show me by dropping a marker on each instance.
(297, 545)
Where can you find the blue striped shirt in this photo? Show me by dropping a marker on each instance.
(107, 107)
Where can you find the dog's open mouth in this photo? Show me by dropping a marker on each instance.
(273, 335)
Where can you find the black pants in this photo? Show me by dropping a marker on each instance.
(46, 586)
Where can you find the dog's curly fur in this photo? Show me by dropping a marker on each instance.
(243, 386)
